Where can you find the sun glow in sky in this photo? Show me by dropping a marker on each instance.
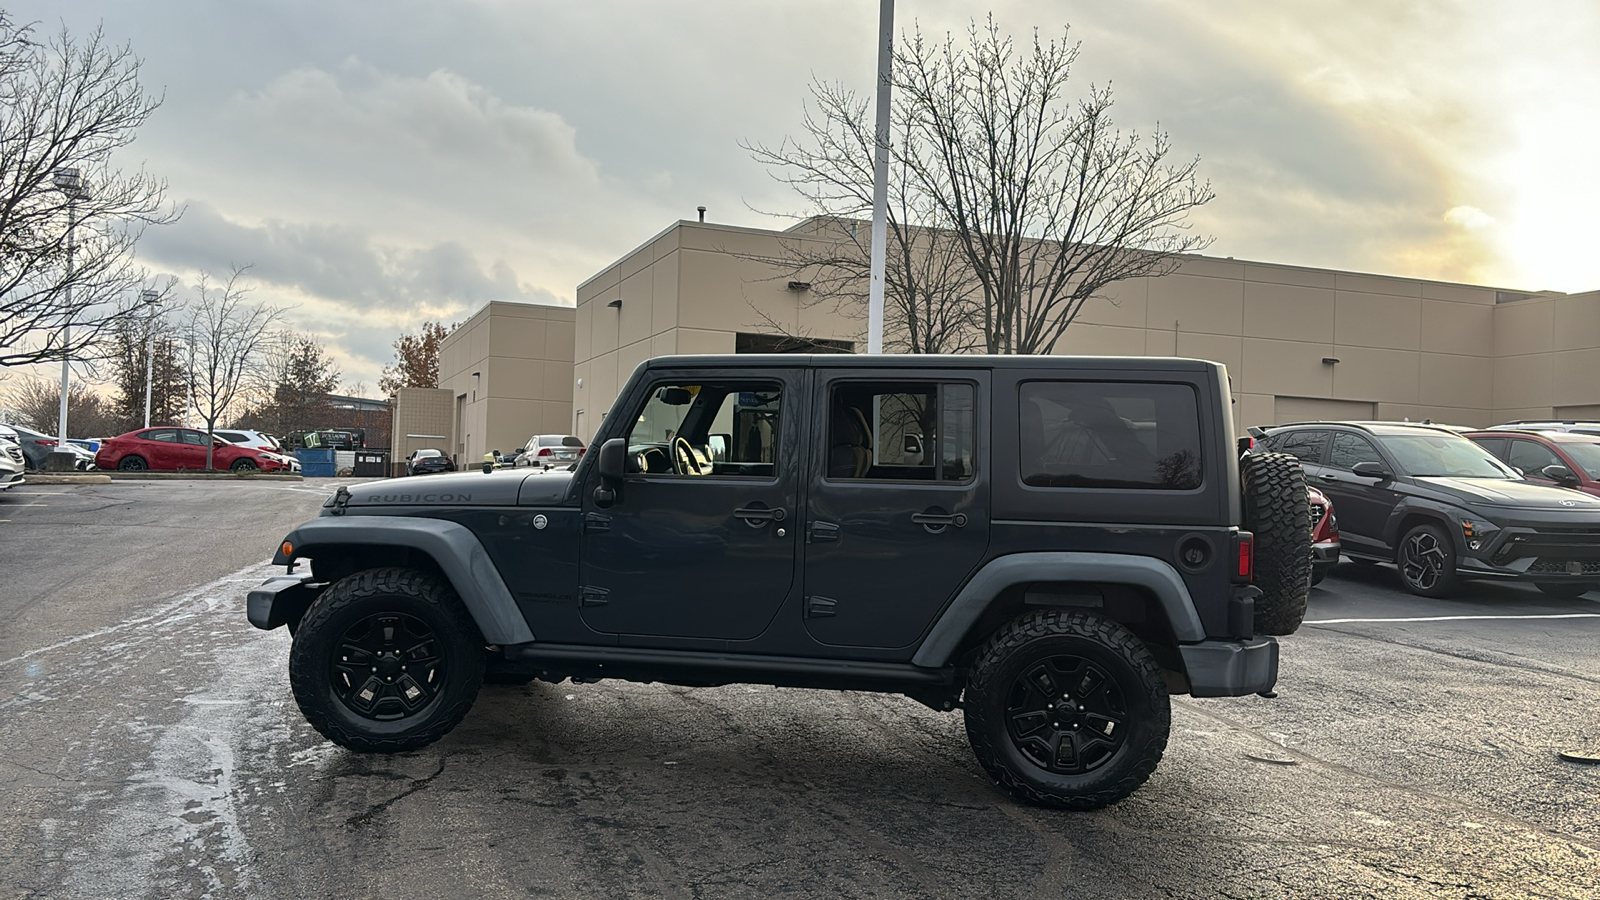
(381, 164)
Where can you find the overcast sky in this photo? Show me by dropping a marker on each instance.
(382, 163)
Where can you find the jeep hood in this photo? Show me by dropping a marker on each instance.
(1514, 494)
(503, 487)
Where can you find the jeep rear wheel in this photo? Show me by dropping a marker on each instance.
(386, 660)
(1067, 709)
(1277, 510)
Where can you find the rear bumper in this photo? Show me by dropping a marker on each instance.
(1231, 668)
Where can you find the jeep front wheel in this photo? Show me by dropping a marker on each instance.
(386, 660)
(1067, 709)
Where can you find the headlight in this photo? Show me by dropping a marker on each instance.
(1478, 532)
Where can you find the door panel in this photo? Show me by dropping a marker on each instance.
(699, 542)
(1362, 504)
(898, 511)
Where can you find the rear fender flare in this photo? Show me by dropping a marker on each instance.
(1159, 578)
(452, 545)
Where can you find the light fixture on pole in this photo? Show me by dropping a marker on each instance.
(69, 182)
(880, 178)
(151, 299)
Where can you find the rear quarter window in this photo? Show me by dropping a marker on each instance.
(1099, 434)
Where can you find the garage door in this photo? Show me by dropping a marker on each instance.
(1589, 413)
(1319, 409)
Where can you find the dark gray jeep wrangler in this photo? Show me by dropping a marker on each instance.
(1051, 544)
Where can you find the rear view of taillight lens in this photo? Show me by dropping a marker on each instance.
(1244, 553)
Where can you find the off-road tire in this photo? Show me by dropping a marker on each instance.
(1566, 590)
(1426, 560)
(132, 464)
(347, 603)
(1029, 641)
(1277, 510)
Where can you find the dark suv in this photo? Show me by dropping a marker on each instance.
(1051, 544)
(1442, 508)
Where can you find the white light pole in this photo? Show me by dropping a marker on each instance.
(880, 178)
(151, 299)
(69, 182)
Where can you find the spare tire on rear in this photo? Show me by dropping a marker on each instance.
(1277, 510)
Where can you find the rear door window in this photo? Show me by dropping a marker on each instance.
(1098, 434)
(1305, 446)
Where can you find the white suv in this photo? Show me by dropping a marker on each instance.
(12, 463)
(258, 440)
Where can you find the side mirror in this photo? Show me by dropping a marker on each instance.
(1560, 474)
(613, 463)
(1371, 470)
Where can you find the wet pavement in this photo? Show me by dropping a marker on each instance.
(152, 749)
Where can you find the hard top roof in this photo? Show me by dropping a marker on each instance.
(935, 361)
(1560, 437)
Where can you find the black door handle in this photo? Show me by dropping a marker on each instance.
(1328, 477)
(754, 516)
(939, 520)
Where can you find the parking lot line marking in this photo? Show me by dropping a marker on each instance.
(1450, 618)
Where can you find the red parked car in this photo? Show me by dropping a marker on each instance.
(1325, 544)
(169, 449)
(1557, 458)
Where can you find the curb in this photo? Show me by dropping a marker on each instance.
(195, 476)
(43, 478)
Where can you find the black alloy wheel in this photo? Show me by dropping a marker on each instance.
(244, 465)
(1427, 562)
(1067, 714)
(132, 464)
(1067, 709)
(388, 667)
(386, 660)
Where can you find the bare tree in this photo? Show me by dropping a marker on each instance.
(1032, 203)
(36, 402)
(69, 221)
(228, 335)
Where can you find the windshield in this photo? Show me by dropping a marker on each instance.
(1585, 454)
(1429, 455)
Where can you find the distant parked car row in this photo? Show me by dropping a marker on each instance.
(1518, 502)
(542, 450)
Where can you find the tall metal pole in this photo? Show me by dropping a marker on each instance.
(151, 298)
(69, 182)
(880, 178)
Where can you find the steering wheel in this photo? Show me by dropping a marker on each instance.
(684, 460)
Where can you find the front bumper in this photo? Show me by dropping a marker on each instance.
(1534, 554)
(1324, 555)
(1231, 668)
(280, 600)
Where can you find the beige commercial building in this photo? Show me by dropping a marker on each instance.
(508, 370)
(1300, 343)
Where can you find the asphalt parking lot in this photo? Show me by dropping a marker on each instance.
(152, 750)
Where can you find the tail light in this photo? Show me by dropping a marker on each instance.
(545, 452)
(582, 450)
(45, 443)
(1244, 553)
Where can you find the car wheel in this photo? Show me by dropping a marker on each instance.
(132, 464)
(1277, 510)
(1427, 562)
(244, 465)
(386, 660)
(1566, 590)
(1067, 710)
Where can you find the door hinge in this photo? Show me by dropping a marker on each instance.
(820, 607)
(593, 596)
(595, 522)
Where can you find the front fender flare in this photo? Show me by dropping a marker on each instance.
(450, 544)
(1161, 579)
